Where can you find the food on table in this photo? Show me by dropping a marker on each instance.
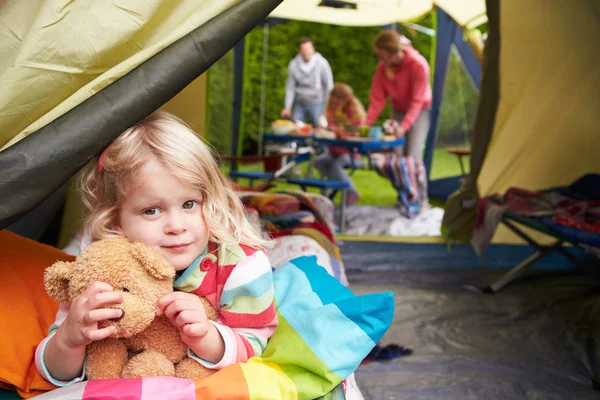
(363, 130)
(305, 130)
(325, 134)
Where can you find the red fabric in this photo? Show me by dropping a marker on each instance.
(579, 224)
(319, 226)
(263, 187)
(410, 90)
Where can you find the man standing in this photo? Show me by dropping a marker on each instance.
(308, 84)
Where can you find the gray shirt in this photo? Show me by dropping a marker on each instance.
(308, 83)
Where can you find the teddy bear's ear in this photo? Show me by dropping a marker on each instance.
(152, 262)
(56, 280)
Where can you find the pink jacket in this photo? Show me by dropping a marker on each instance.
(410, 90)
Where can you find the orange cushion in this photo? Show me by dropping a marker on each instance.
(26, 311)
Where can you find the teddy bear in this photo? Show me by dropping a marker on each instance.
(143, 344)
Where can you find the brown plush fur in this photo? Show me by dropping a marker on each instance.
(143, 345)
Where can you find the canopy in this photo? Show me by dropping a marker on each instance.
(466, 13)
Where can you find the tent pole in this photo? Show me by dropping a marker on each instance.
(263, 88)
(238, 89)
(463, 114)
(468, 58)
(444, 35)
(433, 44)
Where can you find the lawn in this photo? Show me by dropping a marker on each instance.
(375, 190)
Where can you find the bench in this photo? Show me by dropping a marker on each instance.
(325, 186)
(252, 176)
(274, 166)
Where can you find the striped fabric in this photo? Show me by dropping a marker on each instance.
(238, 281)
(324, 333)
(409, 178)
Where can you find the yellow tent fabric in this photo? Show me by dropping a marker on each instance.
(546, 128)
(45, 47)
(467, 13)
(39, 48)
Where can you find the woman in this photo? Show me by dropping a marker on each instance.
(402, 75)
(342, 108)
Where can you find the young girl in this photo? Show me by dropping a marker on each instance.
(159, 184)
(342, 108)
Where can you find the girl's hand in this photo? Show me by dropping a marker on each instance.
(186, 312)
(80, 327)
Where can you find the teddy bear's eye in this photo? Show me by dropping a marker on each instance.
(126, 289)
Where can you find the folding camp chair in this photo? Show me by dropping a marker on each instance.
(573, 231)
(459, 155)
(510, 220)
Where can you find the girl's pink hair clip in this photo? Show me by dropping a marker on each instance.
(101, 162)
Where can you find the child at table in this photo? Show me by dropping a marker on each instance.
(342, 108)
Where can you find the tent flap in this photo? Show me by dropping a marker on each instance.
(458, 221)
(40, 163)
(70, 52)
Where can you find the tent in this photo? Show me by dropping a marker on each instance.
(67, 87)
(65, 97)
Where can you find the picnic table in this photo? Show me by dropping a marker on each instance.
(356, 145)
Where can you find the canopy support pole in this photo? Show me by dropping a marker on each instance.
(263, 87)
(469, 59)
(238, 93)
(444, 36)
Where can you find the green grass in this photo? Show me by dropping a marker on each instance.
(375, 190)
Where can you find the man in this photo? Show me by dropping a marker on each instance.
(308, 84)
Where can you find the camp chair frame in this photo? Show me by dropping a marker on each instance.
(509, 220)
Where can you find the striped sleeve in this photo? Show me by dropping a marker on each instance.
(247, 310)
(61, 315)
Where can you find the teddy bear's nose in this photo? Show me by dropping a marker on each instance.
(119, 318)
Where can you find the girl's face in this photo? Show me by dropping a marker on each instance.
(164, 214)
(337, 102)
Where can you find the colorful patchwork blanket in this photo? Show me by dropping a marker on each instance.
(324, 333)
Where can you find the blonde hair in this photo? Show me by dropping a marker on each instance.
(390, 41)
(345, 93)
(169, 140)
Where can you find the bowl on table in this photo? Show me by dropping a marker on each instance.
(282, 127)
